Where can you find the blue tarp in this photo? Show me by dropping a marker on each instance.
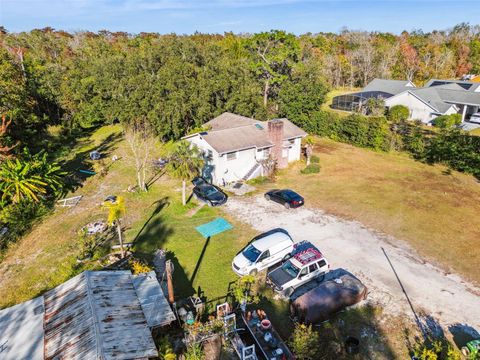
(214, 227)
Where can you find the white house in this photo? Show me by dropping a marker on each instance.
(425, 104)
(234, 146)
(437, 97)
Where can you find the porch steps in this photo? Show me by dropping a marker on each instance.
(251, 171)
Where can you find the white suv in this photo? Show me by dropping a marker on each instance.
(262, 252)
(305, 264)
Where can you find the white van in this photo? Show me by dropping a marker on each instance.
(262, 252)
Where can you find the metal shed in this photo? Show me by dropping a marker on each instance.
(155, 306)
(96, 315)
(21, 331)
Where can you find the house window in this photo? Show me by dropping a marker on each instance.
(232, 155)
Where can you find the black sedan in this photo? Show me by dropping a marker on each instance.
(286, 197)
(208, 193)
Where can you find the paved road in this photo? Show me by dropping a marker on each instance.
(365, 253)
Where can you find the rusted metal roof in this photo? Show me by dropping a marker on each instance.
(155, 306)
(96, 315)
(21, 331)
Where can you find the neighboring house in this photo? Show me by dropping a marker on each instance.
(95, 315)
(437, 97)
(379, 89)
(236, 147)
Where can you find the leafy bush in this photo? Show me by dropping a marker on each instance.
(18, 219)
(259, 180)
(314, 159)
(138, 267)
(447, 121)
(242, 290)
(436, 350)
(305, 342)
(311, 169)
(194, 352)
(398, 113)
(455, 149)
(165, 350)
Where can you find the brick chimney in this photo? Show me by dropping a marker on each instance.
(275, 135)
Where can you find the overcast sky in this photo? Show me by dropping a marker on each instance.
(218, 16)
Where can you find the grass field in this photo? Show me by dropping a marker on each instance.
(435, 210)
(47, 256)
(386, 191)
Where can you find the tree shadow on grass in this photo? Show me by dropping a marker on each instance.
(159, 206)
(82, 161)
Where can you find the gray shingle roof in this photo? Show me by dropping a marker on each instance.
(460, 97)
(442, 97)
(393, 87)
(228, 120)
(467, 85)
(230, 132)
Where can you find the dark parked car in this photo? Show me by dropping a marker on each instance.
(286, 197)
(208, 193)
(338, 291)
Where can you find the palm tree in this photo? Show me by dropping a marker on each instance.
(116, 210)
(18, 181)
(185, 162)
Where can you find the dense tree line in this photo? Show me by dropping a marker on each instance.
(179, 82)
(176, 83)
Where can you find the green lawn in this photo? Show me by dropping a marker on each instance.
(47, 256)
(432, 208)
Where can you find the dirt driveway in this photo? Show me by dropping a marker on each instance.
(348, 244)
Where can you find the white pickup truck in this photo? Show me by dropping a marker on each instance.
(306, 263)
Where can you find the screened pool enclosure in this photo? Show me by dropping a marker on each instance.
(357, 101)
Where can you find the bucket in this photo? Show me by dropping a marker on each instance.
(352, 345)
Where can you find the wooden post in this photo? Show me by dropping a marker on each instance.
(171, 296)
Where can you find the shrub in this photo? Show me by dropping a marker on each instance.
(447, 121)
(314, 159)
(311, 169)
(138, 266)
(375, 107)
(194, 352)
(18, 219)
(398, 113)
(259, 180)
(305, 342)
